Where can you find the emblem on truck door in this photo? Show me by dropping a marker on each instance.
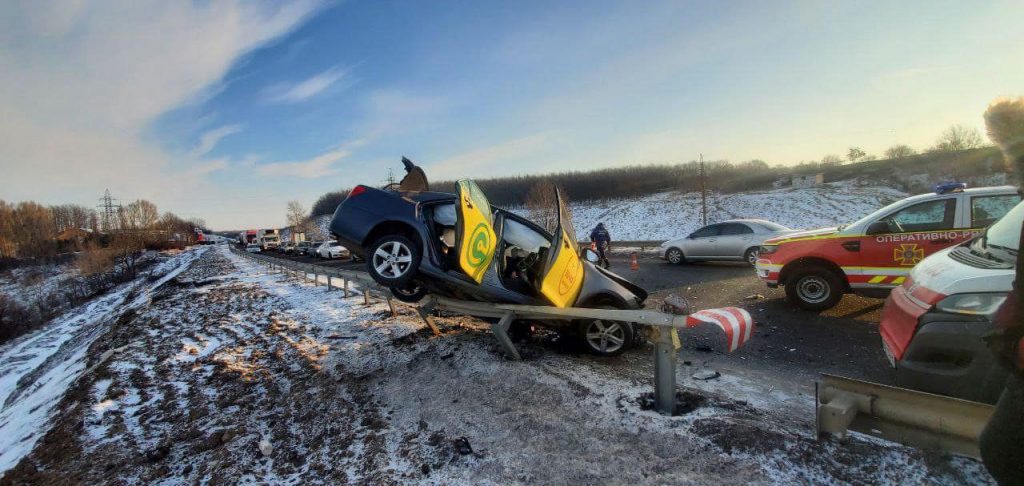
(908, 254)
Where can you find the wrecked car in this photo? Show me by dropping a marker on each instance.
(416, 242)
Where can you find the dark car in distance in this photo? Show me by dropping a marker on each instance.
(416, 242)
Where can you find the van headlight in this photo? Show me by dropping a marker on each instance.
(979, 304)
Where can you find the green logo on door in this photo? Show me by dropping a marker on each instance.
(479, 246)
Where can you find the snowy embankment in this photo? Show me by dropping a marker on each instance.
(669, 215)
(37, 369)
(233, 374)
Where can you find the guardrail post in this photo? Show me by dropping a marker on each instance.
(391, 305)
(500, 331)
(345, 280)
(328, 282)
(366, 296)
(664, 370)
(316, 278)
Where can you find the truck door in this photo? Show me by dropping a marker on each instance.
(900, 240)
(562, 277)
(474, 230)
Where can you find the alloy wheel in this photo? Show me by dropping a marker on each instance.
(392, 259)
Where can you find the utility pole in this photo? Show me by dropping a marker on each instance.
(391, 177)
(108, 211)
(703, 194)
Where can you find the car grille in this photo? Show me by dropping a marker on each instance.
(963, 255)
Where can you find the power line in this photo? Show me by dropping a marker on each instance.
(108, 211)
(703, 194)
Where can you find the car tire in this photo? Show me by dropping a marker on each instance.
(606, 338)
(814, 288)
(750, 256)
(392, 261)
(675, 256)
(411, 293)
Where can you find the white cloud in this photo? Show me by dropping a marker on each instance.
(463, 164)
(209, 139)
(307, 88)
(319, 166)
(82, 81)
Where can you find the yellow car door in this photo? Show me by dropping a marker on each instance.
(474, 230)
(563, 274)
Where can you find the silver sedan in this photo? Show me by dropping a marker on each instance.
(733, 240)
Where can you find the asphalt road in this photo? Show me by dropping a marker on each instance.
(789, 345)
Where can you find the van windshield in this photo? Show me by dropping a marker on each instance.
(1005, 233)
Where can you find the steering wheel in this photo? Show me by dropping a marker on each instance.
(526, 262)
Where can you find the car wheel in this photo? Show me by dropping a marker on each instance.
(393, 260)
(750, 256)
(606, 338)
(814, 289)
(674, 256)
(412, 292)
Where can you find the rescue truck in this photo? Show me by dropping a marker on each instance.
(875, 254)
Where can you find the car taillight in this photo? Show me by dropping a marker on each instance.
(357, 191)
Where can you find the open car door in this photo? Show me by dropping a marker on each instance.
(474, 230)
(563, 272)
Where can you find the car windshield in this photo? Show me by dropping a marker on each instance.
(1005, 233)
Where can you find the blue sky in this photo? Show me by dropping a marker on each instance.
(227, 110)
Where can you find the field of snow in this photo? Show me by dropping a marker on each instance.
(229, 373)
(37, 369)
(669, 215)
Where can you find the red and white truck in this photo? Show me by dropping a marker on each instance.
(875, 254)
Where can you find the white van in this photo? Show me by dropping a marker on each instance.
(932, 325)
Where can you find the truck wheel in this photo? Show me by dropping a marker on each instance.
(411, 293)
(393, 260)
(606, 338)
(674, 256)
(750, 256)
(814, 288)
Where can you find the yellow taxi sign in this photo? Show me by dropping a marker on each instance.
(477, 240)
(564, 277)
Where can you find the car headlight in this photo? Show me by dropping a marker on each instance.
(980, 304)
(768, 249)
(663, 244)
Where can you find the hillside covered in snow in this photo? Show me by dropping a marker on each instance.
(671, 214)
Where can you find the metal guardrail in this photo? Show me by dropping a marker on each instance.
(663, 325)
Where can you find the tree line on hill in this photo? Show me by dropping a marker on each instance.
(958, 148)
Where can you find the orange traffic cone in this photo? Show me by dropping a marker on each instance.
(635, 265)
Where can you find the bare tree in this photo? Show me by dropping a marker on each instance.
(958, 137)
(899, 151)
(831, 160)
(297, 218)
(855, 154)
(542, 205)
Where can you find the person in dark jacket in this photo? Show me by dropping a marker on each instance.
(602, 240)
(1002, 440)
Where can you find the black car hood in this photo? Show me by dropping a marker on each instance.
(632, 287)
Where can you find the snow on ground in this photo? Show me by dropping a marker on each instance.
(234, 374)
(669, 215)
(37, 369)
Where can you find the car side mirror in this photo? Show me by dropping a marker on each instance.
(591, 255)
(878, 227)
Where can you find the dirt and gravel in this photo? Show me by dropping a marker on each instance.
(230, 374)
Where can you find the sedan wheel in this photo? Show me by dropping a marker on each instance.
(674, 256)
(393, 261)
(606, 338)
(751, 256)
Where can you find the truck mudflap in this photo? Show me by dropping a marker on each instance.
(907, 416)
